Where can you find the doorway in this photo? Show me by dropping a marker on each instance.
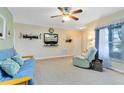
(77, 46)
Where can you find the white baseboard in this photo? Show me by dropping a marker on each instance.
(51, 57)
(117, 70)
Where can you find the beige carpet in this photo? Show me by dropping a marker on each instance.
(61, 72)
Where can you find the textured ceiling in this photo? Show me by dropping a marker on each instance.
(41, 16)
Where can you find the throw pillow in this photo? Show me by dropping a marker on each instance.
(10, 67)
(18, 59)
(1, 62)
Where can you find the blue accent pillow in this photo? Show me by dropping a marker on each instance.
(1, 62)
(18, 59)
(10, 67)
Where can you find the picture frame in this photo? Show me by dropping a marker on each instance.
(51, 30)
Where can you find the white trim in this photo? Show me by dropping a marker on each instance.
(117, 70)
(4, 27)
(51, 57)
(14, 39)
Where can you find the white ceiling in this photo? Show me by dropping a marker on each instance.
(41, 16)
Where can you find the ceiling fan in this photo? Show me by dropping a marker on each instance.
(67, 13)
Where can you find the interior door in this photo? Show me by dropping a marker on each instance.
(77, 46)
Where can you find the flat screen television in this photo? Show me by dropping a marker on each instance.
(50, 38)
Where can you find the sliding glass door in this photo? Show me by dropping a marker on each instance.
(110, 45)
(116, 47)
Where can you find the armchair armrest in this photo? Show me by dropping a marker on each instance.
(27, 56)
(18, 81)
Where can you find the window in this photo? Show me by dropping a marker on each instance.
(116, 41)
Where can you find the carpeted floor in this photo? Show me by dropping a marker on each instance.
(61, 72)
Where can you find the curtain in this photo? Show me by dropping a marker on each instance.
(121, 34)
(103, 49)
(97, 43)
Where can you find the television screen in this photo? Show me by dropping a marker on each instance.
(50, 38)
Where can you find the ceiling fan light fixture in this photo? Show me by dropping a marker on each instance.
(82, 27)
(66, 18)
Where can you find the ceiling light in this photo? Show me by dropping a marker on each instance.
(66, 18)
(82, 27)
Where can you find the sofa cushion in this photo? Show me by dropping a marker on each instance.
(17, 58)
(10, 67)
(27, 69)
(7, 53)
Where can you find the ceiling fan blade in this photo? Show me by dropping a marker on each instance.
(77, 11)
(61, 9)
(56, 16)
(73, 17)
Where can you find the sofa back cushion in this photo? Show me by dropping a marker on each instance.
(91, 54)
(7, 53)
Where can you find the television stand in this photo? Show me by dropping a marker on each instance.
(51, 45)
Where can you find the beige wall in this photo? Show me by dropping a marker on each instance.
(37, 48)
(89, 31)
(8, 42)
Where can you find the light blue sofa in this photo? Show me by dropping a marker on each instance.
(26, 70)
(84, 62)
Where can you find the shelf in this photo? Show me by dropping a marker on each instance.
(51, 45)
